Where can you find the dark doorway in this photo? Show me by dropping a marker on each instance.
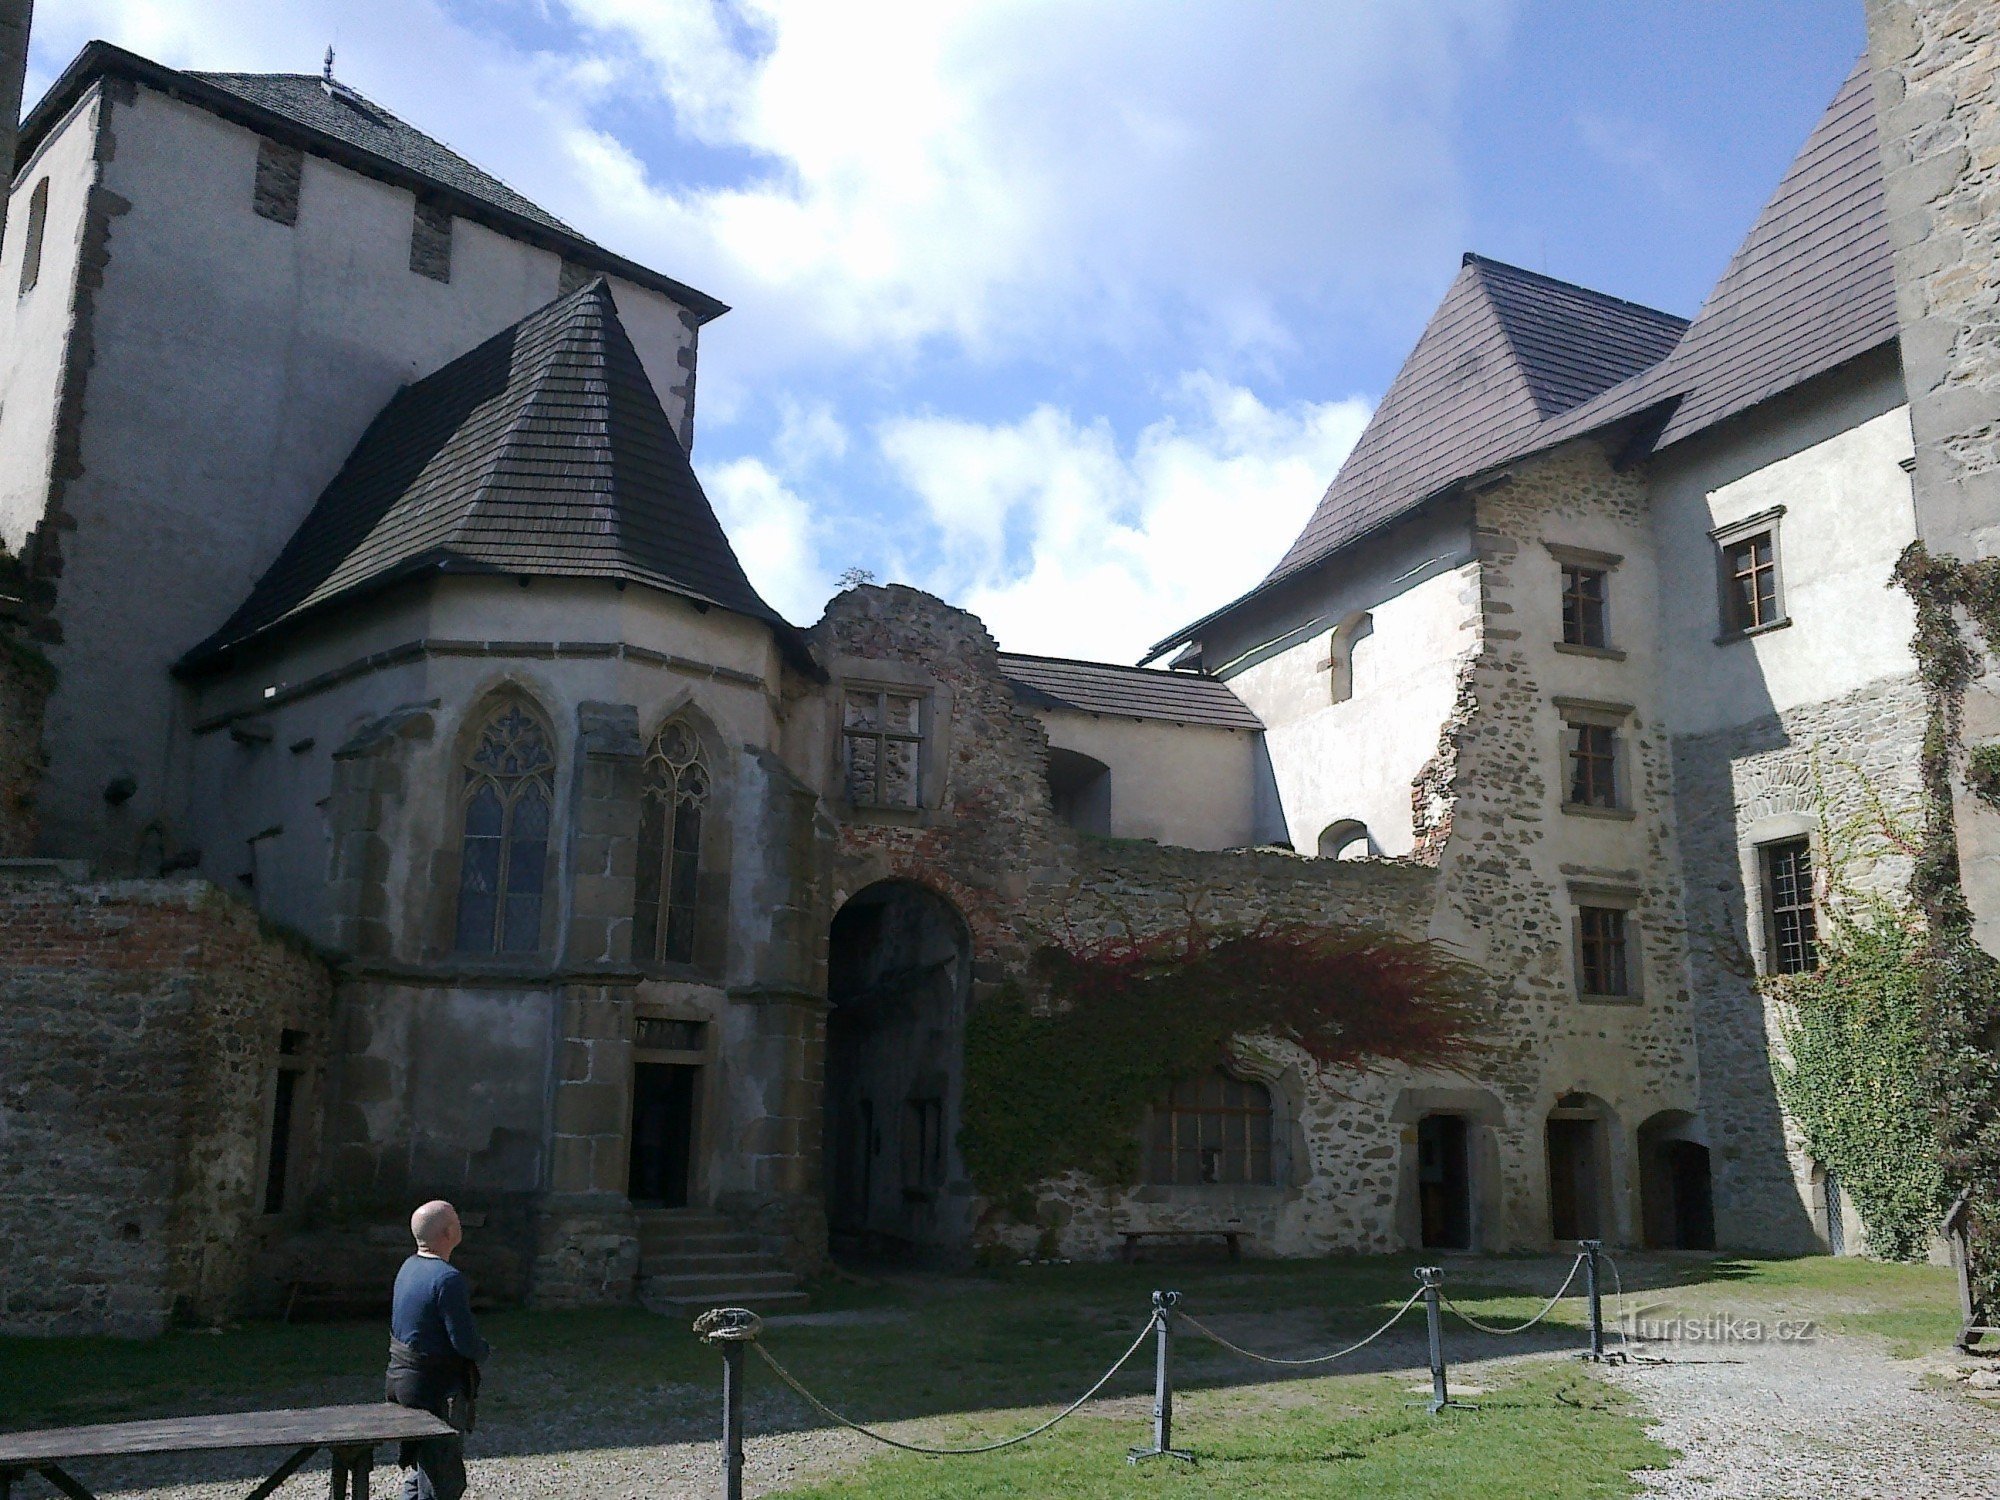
(663, 1100)
(1694, 1208)
(1574, 1177)
(898, 969)
(1675, 1200)
(1444, 1181)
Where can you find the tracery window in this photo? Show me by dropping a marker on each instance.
(506, 796)
(1212, 1129)
(673, 795)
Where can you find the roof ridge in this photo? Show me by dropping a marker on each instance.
(1114, 666)
(1474, 258)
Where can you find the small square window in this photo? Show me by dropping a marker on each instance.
(882, 742)
(1583, 602)
(1792, 919)
(1592, 752)
(1603, 961)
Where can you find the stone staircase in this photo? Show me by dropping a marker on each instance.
(692, 1259)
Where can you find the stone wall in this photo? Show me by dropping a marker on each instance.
(1819, 770)
(140, 1032)
(25, 679)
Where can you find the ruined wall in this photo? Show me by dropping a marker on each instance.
(140, 1027)
(25, 680)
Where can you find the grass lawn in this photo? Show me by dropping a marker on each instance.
(982, 1355)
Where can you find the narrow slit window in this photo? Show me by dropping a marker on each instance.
(38, 229)
(1794, 921)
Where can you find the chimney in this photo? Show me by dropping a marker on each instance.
(14, 17)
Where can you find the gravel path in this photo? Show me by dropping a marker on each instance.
(1832, 1419)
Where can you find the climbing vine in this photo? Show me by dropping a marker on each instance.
(1059, 1073)
(1961, 982)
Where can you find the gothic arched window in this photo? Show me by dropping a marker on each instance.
(505, 797)
(673, 792)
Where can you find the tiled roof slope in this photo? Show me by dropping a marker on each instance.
(543, 451)
(1810, 288)
(347, 116)
(1126, 692)
(1506, 350)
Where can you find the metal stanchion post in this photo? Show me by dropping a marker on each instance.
(1163, 1389)
(1432, 1278)
(732, 1421)
(1590, 1249)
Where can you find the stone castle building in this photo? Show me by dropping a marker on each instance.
(410, 794)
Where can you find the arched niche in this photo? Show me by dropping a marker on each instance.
(1346, 838)
(1080, 788)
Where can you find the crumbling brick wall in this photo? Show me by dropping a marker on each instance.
(140, 1025)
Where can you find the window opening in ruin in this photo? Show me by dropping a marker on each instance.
(1583, 606)
(1345, 839)
(1603, 966)
(284, 1102)
(1788, 891)
(882, 747)
(673, 794)
(1212, 1129)
(663, 1130)
(1080, 790)
(1750, 582)
(1574, 1178)
(38, 228)
(505, 800)
(1444, 1182)
(1593, 765)
(1341, 647)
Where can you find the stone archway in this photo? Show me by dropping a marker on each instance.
(899, 966)
(1676, 1199)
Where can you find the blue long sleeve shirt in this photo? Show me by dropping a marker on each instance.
(432, 1311)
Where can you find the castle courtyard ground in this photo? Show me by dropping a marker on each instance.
(1868, 1402)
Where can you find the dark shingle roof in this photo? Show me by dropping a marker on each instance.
(543, 451)
(1097, 687)
(346, 116)
(1811, 287)
(358, 134)
(1506, 350)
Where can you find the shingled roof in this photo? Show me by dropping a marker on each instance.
(1096, 687)
(339, 124)
(1506, 350)
(1810, 288)
(542, 452)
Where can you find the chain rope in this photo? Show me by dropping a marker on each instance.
(1317, 1359)
(1068, 1411)
(1547, 1307)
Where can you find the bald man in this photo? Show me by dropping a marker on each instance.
(434, 1353)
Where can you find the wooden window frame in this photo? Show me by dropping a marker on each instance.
(1776, 912)
(1170, 1121)
(1731, 538)
(1621, 903)
(1582, 720)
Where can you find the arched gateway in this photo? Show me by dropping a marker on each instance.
(899, 965)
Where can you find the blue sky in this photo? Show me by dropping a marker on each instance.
(1066, 310)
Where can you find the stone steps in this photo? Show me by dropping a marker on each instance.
(693, 1259)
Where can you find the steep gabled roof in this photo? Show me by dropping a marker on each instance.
(544, 451)
(344, 114)
(1810, 288)
(1506, 350)
(1097, 687)
(344, 127)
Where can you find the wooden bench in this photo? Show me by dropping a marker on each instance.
(350, 1433)
(1234, 1237)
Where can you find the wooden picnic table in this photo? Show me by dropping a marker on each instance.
(350, 1433)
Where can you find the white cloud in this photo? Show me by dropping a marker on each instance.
(1067, 544)
(775, 536)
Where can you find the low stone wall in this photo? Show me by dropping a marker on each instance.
(140, 1027)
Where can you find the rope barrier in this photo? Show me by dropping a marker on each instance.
(1317, 1359)
(833, 1416)
(1547, 1307)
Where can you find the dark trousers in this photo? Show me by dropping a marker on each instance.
(436, 1466)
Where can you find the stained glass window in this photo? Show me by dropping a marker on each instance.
(673, 795)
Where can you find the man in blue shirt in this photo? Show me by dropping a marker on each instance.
(434, 1353)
